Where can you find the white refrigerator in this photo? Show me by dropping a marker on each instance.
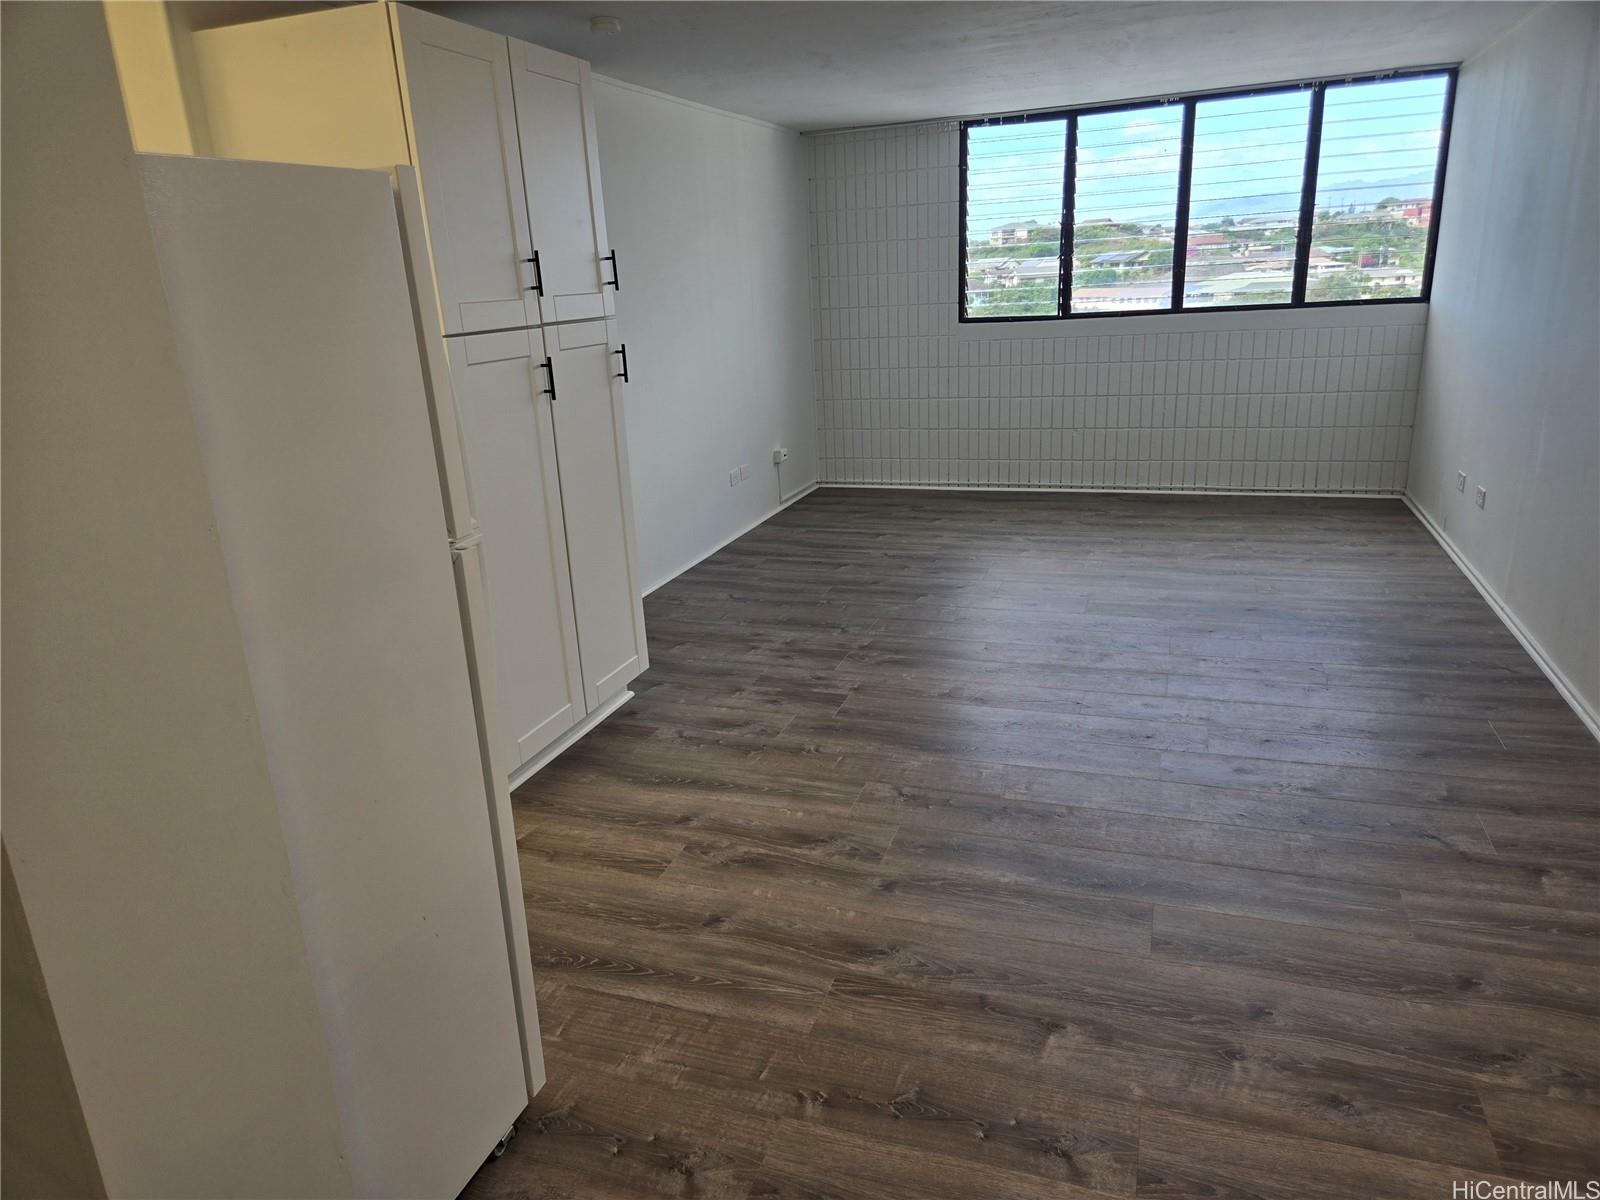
(322, 404)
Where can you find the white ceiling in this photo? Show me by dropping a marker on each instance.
(829, 65)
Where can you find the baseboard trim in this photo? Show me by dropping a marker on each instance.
(1509, 619)
(533, 766)
(728, 541)
(1379, 494)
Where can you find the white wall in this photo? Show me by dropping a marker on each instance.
(1302, 400)
(707, 212)
(1511, 387)
(131, 739)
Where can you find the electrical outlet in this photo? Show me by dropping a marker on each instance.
(1461, 481)
(1483, 497)
(733, 477)
(780, 456)
(744, 471)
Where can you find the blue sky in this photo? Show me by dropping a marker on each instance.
(1379, 138)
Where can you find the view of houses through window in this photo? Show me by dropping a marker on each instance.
(1244, 198)
(1239, 214)
(1013, 205)
(1374, 192)
(1125, 182)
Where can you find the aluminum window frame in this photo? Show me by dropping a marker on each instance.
(1189, 101)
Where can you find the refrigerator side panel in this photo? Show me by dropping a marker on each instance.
(288, 292)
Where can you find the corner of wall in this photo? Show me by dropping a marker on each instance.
(1568, 690)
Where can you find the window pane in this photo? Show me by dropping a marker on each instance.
(1125, 209)
(1014, 180)
(1244, 199)
(1374, 195)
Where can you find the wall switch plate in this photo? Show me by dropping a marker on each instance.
(1461, 481)
(1483, 496)
(744, 470)
(733, 477)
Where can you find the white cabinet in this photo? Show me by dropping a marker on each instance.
(596, 498)
(547, 459)
(509, 442)
(561, 173)
(502, 134)
(456, 83)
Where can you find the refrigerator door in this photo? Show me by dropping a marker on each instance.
(288, 294)
(474, 611)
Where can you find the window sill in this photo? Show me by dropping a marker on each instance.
(1318, 316)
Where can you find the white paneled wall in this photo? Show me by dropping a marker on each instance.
(719, 357)
(1311, 400)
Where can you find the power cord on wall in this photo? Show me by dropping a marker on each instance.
(779, 457)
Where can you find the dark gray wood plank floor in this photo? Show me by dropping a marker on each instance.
(993, 845)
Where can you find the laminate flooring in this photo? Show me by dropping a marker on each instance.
(997, 845)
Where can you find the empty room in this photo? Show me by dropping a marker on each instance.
(769, 600)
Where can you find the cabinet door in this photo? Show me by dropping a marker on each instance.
(509, 443)
(561, 173)
(461, 119)
(593, 447)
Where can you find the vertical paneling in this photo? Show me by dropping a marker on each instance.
(1318, 400)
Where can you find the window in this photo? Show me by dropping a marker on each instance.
(1244, 199)
(1013, 218)
(1125, 209)
(1373, 208)
(1315, 193)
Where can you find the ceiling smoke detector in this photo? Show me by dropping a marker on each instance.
(605, 24)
